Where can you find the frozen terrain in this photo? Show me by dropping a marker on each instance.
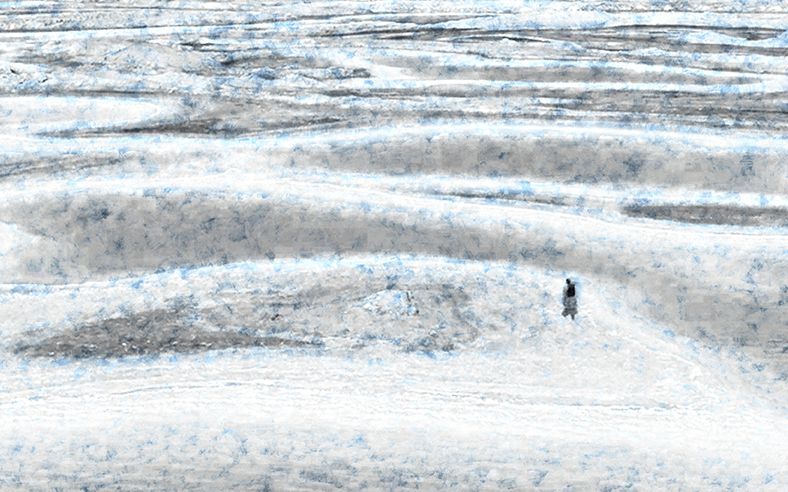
(321, 245)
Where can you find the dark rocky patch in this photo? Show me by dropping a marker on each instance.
(154, 332)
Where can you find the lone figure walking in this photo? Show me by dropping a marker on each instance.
(570, 300)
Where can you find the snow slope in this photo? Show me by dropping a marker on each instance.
(310, 246)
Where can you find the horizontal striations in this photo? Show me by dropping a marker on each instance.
(282, 67)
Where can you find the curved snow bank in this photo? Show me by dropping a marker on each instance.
(372, 304)
(668, 272)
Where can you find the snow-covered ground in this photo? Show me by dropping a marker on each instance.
(309, 246)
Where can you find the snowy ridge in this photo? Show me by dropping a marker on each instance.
(321, 245)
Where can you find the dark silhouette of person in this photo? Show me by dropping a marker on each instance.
(570, 299)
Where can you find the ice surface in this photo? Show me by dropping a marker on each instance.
(320, 245)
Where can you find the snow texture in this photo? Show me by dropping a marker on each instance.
(320, 245)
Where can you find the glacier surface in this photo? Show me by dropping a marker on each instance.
(320, 245)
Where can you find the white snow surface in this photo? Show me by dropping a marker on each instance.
(322, 245)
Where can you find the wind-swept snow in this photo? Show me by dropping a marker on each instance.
(321, 245)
